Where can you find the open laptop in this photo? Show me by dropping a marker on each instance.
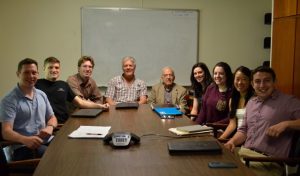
(127, 105)
(194, 147)
(87, 113)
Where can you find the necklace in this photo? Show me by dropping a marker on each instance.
(222, 89)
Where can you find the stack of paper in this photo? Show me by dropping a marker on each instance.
(191, 129)
(90, 132)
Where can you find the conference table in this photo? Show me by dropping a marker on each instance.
(89, 157)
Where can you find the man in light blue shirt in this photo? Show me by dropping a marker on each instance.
(26, 114)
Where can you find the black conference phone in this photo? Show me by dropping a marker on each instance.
(121, 139)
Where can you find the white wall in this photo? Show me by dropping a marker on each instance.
(230, 31)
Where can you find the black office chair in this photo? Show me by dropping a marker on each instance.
(9, 167)
(216, 129)
(293, 160)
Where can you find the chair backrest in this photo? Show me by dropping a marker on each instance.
(3, 160)
(295, 148)
(1, 137)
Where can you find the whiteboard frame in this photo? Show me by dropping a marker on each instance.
(119, 71)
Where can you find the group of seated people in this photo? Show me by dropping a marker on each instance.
(258, 116)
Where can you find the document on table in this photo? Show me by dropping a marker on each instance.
(90, 132)
(191, 129)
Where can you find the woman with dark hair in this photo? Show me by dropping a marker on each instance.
(241, 93)
(200, 79)
(215, 100)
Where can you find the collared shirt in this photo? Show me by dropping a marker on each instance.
(168, 97)
(27, 116)
(260, 115)
(120, 91)
(87, 91)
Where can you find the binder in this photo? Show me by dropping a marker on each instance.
(167, 112)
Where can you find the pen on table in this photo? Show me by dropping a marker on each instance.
(93, 134)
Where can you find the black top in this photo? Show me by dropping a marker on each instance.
(58, 93)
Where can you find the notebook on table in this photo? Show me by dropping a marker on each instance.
(127, 105)
(87, 113)
(194, 128)
(194, 147)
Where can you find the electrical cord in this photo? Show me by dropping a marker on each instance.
(168, 136)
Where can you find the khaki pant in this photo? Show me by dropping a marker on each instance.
(260, 168)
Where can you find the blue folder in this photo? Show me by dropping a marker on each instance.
(168, 112)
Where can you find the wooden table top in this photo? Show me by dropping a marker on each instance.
(90, 157)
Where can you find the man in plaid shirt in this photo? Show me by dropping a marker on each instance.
(126, 88)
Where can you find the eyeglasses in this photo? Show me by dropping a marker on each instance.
(168, 75)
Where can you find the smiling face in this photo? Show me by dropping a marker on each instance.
(85, 70)
(241, 82)
(52, 71)
(219, 76)
(28, 75)
(128, 67)
(263, 84)
(199, 74)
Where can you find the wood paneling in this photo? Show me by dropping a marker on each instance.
(298, 8)
(284, 8)
(283, 52)
(297, 60)
(286, 45)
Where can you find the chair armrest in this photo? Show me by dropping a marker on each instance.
(288, 161)
(223, 140)
(216, 127)
(7, 143)
(32, 163)
(24, 166)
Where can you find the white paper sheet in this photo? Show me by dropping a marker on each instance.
(90, 132)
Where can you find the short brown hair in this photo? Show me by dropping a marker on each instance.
(51, 60)
(264, 69)
(26, 61)
(85, 58)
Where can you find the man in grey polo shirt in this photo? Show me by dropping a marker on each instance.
(26, 114)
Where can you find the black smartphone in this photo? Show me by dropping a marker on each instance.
(217, 164)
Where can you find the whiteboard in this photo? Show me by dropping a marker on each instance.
(154, 37)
